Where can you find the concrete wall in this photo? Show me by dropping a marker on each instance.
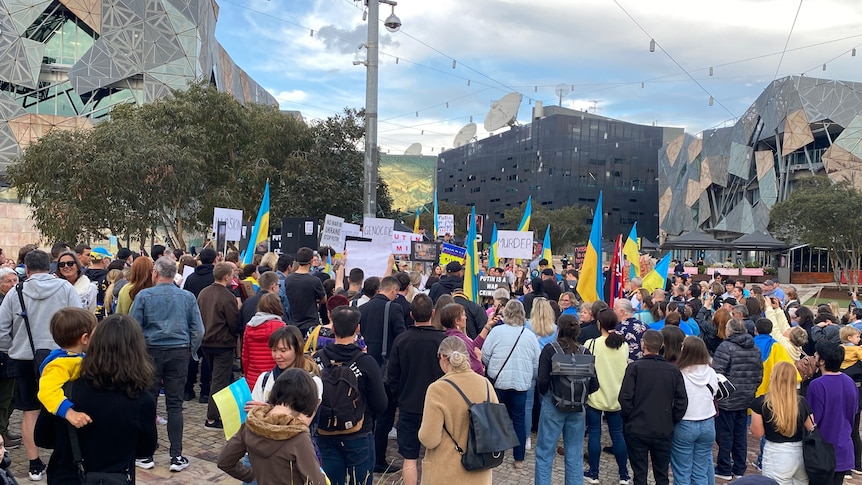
(16, 228)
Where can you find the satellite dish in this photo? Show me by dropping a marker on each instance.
(414, 149)
(503, 112)
(465, 135)
(562, 91)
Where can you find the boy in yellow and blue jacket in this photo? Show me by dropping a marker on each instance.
(71, 329)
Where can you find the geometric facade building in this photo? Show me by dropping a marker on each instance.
(410, 179)
(562, 158)
(725, 181)
(65, 63)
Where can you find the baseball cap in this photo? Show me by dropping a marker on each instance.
(100, 253)
(453, 267)
(124, 253)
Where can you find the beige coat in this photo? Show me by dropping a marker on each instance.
(443, 405)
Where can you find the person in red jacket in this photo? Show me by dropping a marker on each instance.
(256, 354)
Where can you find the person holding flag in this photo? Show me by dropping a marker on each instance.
(260, 231)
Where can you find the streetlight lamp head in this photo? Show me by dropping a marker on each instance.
(392, 22)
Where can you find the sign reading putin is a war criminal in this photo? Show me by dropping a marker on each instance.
(515, 244)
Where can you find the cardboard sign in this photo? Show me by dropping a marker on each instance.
(445, 224)
(348, 229)
(332, 234)
(378, 230)
(515, 244)
(401, 241)
(233, 219)
(451, 252)
(370, 257)
(487, 284)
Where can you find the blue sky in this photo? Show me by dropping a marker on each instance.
(601, 47)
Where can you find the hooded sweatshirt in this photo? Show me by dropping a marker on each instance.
(279, 448)
(43, 296)
(700, 398)
(200, 279)
(256, 354)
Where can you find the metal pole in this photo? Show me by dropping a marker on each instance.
(369, 201)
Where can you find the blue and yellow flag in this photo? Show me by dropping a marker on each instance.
(416, 221)
(471, 283)
(260, 231)
(591, 285)
(230, 402)
(492, 253)
(435, 214)
(528, 212)
(658, 276)
(546, 247)
(630, 250)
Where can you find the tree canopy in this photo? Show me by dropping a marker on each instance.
(166, 165)
(568, 224)
(822, 214)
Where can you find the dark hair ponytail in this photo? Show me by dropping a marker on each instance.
(608, 321)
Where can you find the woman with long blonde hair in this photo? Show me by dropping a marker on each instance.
(782, 416)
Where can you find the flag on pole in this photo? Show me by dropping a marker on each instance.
(592, 282)
(528, 212)
(416, 221)
(658, 276)
(328, 268)
(492, 253)
(617, 287)
(435, 214)
(260, 231)
(546, 246)
(630, 250)
(471, 283)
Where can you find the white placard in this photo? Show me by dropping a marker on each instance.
(401, 241)
(332, 234)
(371, 258)
(378, 230)
(445, 224)
(348, 229)
(233, 219)
(515, 244)
(187, 271)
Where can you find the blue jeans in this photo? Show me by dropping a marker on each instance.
(730, 434)
(515, 402)
(691, 452)
(528, 407)
(171, 367)
(552, 422)
(594, 444)
(348, 457)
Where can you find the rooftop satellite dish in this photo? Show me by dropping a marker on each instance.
(562, 91)
(503, 112)
(414, 149)
(465, 135)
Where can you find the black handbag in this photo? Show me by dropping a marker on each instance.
(489, 435)
(94, 478)
(819, 457)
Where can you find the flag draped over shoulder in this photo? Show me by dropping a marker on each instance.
(591, 283)
(630, 250)
(260, 231)
(471, 284)
(492, 253)
(657, 277)
(546, 246)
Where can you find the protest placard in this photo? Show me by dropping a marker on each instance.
(348, 229)
(424, 251)
(401, 241)
(445, 224)
(451, 252)
(371, 258)
(378, 230)
(487, 284)
(515, 244)
(332, 234)
(233, 220)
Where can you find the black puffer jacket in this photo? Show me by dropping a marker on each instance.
(740, 361)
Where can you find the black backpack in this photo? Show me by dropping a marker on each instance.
(342, 408)
(572, 376)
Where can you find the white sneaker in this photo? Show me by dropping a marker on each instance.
(179, 463)
(393, 434)
(145, 463)
(529, 445)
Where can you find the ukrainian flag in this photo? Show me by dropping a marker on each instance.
(260, 232)
(658, 276)
(436, 225)
(546, 247)
(471, 283)
(591, 283)
(416, 221)
(492, 253)
(528, 212)
(630, 250)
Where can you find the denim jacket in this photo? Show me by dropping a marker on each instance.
(169, 317)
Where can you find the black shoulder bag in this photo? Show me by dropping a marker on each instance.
(40, 355)
(94, 478)
(494, 379)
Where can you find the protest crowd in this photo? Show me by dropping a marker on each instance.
(334, 361)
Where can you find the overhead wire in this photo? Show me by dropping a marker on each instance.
(789, 34)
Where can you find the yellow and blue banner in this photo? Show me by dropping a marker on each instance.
(528, 212)
(546, 247)
(436, 224)
(591, 283)
(492, 253)
(471, 283)
(416, 221)
(630, 250)
(260, 231)
(658, 276)
(230, 402)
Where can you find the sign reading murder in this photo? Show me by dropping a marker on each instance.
(401, 241)
(332, 234)
(445, 224)
(451, 252)
(515, 244)
(487, 284)
(233, 222)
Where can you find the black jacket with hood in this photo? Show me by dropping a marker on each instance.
(200, 279)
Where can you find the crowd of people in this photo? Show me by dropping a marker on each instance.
(337, 362)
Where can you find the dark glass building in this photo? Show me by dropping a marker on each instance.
(562, 158)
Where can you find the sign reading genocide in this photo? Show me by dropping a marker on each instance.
(515, 244)
(487, 284)
(378, 230)
(451, 252)
(332, 234)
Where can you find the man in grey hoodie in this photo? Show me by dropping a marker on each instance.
(43, 295)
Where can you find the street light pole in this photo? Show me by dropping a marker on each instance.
(369, 200)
